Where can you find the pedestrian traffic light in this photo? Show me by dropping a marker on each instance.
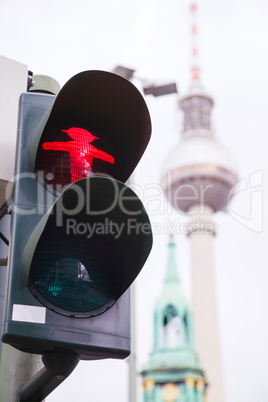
(79, 235)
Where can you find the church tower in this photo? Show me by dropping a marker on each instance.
(173, 373)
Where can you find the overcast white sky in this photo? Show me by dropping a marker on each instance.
(61, 38)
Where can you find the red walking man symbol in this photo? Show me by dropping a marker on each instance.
(82, 153)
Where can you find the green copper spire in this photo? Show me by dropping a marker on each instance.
(173, 320)
(173, 365)
(172, 273)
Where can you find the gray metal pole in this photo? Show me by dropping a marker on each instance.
(132, 357)
(3, 271)
(15, 370)
(16, 367)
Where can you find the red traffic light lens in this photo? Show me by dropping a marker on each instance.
(67, 153)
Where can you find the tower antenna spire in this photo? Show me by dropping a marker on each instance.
(194, 34)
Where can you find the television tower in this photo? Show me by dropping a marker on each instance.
(198, 179)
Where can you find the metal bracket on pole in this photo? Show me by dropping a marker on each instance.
(58, 366)
(4, 211)
(3, 262)
(4, 239)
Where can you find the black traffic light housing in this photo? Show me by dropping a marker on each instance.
(76, 247)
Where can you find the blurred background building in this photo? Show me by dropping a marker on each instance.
(173, 372)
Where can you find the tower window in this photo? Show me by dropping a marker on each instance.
(172, 327)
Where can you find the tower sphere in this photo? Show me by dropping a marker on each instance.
(199, 170)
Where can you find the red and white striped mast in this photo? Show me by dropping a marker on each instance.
(195, 66)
